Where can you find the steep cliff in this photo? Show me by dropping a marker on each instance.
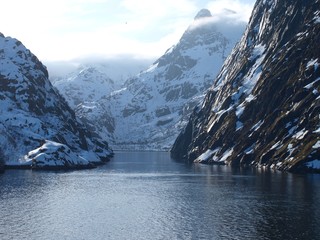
(38, 128)
(263, 108)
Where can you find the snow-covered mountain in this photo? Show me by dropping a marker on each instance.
(263, 108)
(91, 81)
(38, 128)
(150, 109)
(153, 107)
(86, 90)
(119, 69)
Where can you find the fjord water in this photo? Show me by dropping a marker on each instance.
(146, 195)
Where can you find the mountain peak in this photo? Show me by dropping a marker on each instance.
(203, 13)
(252, 117)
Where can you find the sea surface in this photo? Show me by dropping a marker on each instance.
(147, 195)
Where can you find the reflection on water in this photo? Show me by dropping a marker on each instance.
(148, 196)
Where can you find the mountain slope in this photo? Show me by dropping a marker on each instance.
(87, 88)
(38, 128)
(263, 108)
(150, 109)
(153, 107)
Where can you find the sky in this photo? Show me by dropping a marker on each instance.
(65, 30)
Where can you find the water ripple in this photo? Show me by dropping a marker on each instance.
(176, 202)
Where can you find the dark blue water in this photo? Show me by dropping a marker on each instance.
(149, 196)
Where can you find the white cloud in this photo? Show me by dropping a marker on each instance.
(156, 9)
(241, 9)
(68, 29)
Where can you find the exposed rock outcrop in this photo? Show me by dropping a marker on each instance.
(32, 112)
(263, 108)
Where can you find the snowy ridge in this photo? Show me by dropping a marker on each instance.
(32, 112)
(91, 82)
(155, 105)
(264, 101)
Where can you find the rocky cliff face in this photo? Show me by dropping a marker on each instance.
(263, 108)
(154, 107)
(150, 109)
(36, 123)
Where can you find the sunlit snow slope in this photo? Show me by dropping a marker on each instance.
(38, 128)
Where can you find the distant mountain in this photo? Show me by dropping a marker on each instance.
(93, 84)
(153, 107)
(119, 69)
(263, 108)
(150, 109)
(86, 91)
(38, 128)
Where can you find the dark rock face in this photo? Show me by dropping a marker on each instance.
(263, 108)
(2, 163)
(202, 14)
(32, 112)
